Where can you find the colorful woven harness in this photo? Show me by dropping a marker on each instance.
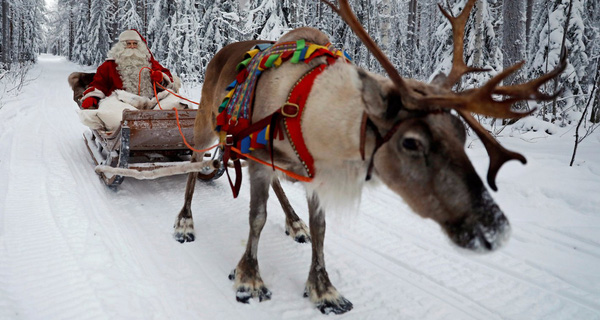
(234, 121)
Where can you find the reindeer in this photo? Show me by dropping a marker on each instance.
(359, 125)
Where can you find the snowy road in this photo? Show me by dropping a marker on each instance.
(70, 248)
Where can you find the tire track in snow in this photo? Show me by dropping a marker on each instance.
(39, 260)
(183, 276)
(499, 273)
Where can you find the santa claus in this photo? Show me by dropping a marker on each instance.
(125, 81)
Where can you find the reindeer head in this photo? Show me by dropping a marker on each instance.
(420, 145)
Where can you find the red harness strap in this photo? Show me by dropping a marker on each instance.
(291, 113)
(292, 117)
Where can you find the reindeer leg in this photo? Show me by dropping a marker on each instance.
(294, 226)
(318, 287)
(184, 224)
(246, 275)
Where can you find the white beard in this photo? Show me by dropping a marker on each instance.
(129, 63)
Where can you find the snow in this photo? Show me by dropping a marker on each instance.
(70, 248)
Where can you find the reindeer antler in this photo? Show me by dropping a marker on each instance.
(346, 13)
(419, 96)
(481, 101)
(459, 67)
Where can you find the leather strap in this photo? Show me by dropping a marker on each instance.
(379, 140)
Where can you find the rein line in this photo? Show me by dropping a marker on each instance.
(287, 172)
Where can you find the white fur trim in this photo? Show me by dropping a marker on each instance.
(90, 119)
(176, 83)
(130, 35)
(138, 102)
(95, 93)
(110, 112)
(166, 78)
(169, 101)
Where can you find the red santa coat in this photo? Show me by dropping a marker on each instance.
(107, 79)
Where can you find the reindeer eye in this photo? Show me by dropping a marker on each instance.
(411, 144)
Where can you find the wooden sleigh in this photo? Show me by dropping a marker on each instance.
(147, 145)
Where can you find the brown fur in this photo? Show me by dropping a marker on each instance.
(79, 82)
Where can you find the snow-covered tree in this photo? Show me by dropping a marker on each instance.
(481, 46)
(275, 24)
(220, 25)
(159, 27)
(100, 41)
(129, 17)
(21, 29)
(592, 45)
(185, 34)
(547, 54)
(184, 42)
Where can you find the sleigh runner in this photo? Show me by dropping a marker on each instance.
(148, 144)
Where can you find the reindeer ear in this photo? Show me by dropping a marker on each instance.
(379, 95)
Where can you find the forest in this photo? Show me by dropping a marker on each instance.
(184, 34)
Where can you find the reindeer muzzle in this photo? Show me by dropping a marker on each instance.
(484, 230)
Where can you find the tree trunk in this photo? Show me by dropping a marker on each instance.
(513, 41)
(595, 113)
(528, 19)
(115, 23)
(386, 26)
(479, 35)
(71, 30)
(411, 40)
(4, 32)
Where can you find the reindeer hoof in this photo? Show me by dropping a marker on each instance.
(298, 231)
(246, 291)
(302, 239)
(338, 306)
(299, 238)
(244, 294)
(184, 237)
(184, 230)
(330, 302)
(232, 275)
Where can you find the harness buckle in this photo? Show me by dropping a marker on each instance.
(290, 110)
(229, 140)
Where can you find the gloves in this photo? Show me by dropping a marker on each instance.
(90, 103)
(156, 76)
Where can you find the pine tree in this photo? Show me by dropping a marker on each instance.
(481, 47)
(59, 30)
(99, 35)
(182, 45)
(547, 56)
(81, 51)
(274, 25)
(220, 25)
(159, 28)
(130, 17)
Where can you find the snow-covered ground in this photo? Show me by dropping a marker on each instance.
(70, 248)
